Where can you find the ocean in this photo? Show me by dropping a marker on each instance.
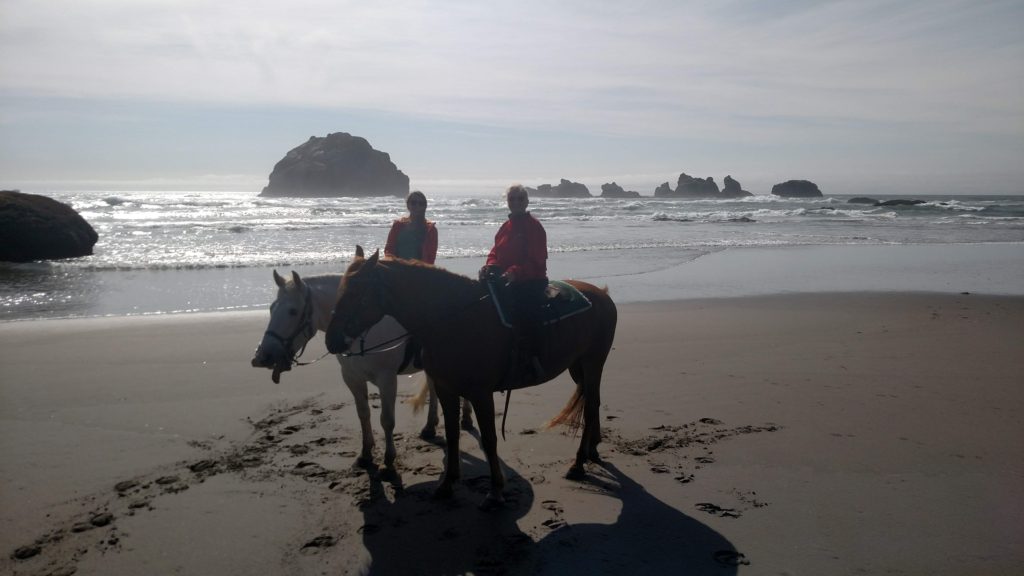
(173, 252)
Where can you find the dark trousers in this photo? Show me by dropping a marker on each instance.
(526, 299)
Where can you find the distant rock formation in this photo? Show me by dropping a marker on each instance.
(733, 189)
(565, 189)
(613, 190)
(899, 202)
(862, 200)
(34, 227)
(690, 187)
(796, 189)
(336, 165)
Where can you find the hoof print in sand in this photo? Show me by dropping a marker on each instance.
(731, 558)
(317, 544)
(717, 510)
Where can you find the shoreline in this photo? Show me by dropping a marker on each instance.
(808, 433)
(633, 275)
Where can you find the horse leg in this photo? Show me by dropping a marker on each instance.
(591, 411)
(429, 431)
(467, 415)
(484, 406)
(388, 384)
(357, 385)
(452, 465)
(588, 379)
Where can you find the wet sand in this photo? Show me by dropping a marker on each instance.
(800, 434)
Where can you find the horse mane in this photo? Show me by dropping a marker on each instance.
(447, 277)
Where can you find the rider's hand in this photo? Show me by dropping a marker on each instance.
(509, 276)
(485, 273)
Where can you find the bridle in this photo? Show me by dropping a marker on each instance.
(305, 328)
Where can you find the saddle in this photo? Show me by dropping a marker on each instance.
(561, 300)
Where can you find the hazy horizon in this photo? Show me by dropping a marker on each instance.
(877, 97)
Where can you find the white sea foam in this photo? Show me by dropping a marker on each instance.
(172, 232)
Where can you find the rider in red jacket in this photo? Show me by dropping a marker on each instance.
(413, 237)
(520, 256)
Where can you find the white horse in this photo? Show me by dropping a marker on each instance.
(303, 307)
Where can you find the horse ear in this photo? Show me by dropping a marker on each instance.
(372, 261)
(359, 251)
(278, 279)
(296, 279)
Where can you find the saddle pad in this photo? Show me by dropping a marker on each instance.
(562, 300)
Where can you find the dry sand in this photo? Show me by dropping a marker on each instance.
(812, 434)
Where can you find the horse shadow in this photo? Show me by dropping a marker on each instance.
(648, 537)
(416, 534)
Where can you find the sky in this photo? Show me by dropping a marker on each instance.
(861, 97)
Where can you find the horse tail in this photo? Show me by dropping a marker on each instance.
(572, 414)
(420, 398)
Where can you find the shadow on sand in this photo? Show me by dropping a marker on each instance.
(415, 534)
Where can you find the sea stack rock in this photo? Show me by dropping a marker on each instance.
(733, 189)
(664, 191)
(796, 189)
(690, 187)
(613, 190)
(34, 227)
(336, 165)
(565, 189)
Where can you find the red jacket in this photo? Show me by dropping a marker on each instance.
(428, 250)
(521, 245)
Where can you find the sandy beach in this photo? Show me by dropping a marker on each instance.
(863, 433)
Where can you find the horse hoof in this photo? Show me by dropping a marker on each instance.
(467, 425)
(575, 473)
(389, 474)
(443, 492)
(428, 434)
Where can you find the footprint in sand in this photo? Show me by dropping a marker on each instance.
(717, 510)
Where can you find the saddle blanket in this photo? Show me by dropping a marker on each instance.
(562, 301)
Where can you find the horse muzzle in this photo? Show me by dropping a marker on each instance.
(263, 359)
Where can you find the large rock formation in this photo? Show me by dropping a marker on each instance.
(336, 165)
(733, 189)
(690, 187)
(34, 227)
(613, 190)
(796, 189)
(565, 189)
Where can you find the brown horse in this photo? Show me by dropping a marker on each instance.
(466, 349)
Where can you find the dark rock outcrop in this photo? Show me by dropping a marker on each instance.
(34, 227)
(733, 189)
(899, 202)
(797, 189)
(690, 187)
(565, 189)
(862, 200)
(613, 190)
(663, 191)
(336, 165)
